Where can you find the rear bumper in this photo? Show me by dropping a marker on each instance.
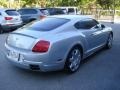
(36, 66)
(11, 27)
(35, 62)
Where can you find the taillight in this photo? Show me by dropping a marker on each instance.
(42, 17)
(41, 46)
(8, 18)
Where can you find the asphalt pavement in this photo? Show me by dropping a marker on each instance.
(101, 71)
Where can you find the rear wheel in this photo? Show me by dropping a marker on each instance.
(32, 20)
(109, 42)
(1, 29)
(73, 60)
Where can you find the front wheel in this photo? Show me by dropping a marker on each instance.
(109, 41)
(73, 60)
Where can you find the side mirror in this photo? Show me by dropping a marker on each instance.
(97, 26)
(77, 25)
(102, 26)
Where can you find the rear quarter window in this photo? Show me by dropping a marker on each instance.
(47, 24)
(12, 12)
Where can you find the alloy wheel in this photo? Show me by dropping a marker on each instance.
(74, 59)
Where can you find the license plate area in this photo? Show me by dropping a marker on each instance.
(13, 55)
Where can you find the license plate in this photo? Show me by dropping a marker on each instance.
(13, 55)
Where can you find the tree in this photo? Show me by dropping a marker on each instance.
(105, 4)
(3, 3)
(40, 3)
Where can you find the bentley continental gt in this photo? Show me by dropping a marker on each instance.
(57, 42)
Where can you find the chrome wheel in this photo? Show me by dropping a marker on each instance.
(109, 42)
(74, 59)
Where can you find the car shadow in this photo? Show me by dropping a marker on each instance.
(41, 75)
(94, 55)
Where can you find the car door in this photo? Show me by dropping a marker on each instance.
(105, 33)
(91, 33)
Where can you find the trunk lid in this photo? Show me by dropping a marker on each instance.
(20, 41)
(15, 20)
(25, 39)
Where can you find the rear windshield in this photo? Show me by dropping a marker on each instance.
(47, 24)
(12, 12)
(27, 11)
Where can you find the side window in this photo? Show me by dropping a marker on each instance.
(0, 14)
(27, 11)
(59, 11)
(94, 22)
(51, 11)
(32, 11)
(70, 10)
(86, 24)
(81, 25)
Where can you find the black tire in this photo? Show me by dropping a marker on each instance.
(73, 60)
(109, 42)
(1, 29)
(32, 20)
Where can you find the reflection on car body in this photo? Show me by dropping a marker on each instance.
(57, 42)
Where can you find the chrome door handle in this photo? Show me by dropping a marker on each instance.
(93, 34)
(96, 33)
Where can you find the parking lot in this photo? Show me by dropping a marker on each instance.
(98, 72)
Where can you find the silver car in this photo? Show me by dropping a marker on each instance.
(9, 19)
(30, 14)
(57, 42)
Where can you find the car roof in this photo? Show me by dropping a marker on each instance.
(72, 17)
(4, 9)
(27, 8)
(67, 7)
(52, 8)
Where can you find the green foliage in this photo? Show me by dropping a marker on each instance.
(3, 3)
(105, 4)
